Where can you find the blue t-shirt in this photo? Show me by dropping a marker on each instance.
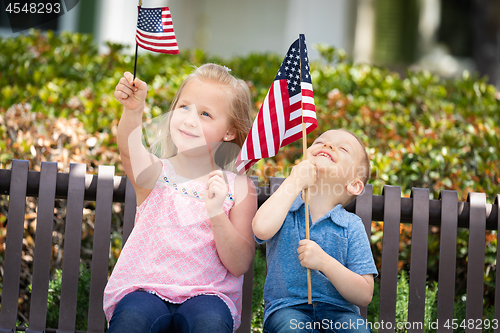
(339, 233)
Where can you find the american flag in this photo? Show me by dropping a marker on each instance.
(289, 102)
(155, 31)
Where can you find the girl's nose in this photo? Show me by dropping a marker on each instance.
(191, 118)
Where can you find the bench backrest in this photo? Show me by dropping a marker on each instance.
(105, 189)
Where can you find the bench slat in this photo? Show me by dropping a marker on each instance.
(72, 245)
(14, 245)
(129, 211)
(246, 312)
(364, 204)
(447, 259)
(475, 262)
(100, 252)
(497, 277)
(390, 256)
(418, 268)
(43, 247)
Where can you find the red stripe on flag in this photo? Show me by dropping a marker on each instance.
(249, 142)
(285, 100)
(176, 51)
(261, 131)
(152, 36)
(275, 131)
(307, 92)
(164, 44)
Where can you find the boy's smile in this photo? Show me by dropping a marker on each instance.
(326, 154)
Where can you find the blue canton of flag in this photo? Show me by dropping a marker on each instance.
(290, 68)
(150, 20)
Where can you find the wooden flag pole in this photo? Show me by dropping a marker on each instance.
(306, 191)
(136, 47)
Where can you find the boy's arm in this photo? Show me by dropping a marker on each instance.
(141, 167)
(356, 289)
(272, 212)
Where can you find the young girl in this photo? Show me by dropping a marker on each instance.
(182, 267)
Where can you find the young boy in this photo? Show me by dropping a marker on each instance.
(338, 252)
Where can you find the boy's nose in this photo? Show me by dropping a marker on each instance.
(328, 145)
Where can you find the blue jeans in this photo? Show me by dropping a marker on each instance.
(142, 312)
(316, 317)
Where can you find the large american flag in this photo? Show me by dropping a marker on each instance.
(289, 102)
(155, 31)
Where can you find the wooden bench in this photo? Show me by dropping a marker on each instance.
(105, 189)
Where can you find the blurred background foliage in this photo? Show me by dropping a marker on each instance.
(420, 130)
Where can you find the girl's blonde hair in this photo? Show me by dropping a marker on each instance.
(240, 109)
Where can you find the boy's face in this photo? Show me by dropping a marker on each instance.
(337, 155)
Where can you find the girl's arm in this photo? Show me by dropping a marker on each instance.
(233, 235)
(355, 288)
(273, 211)
(141, 167)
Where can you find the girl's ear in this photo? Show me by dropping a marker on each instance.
(230, 135)
(355, 187)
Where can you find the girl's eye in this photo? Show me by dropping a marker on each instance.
(205, 114)
(185, 107)
(342, 148)
(317, 142)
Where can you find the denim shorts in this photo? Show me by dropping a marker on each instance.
(142, 312)
(316, 317)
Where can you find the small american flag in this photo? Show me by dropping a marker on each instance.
(155, 31)
(289, 102)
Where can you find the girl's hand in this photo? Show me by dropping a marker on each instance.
(311, 255)
(304, 174)
(217, 189)
(132, 98)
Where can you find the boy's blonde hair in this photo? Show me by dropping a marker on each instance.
(364, 165)
(240, 106)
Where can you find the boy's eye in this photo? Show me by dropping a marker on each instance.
(343, 149)
(204, 113)
(185, 107)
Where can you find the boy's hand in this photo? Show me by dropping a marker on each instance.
(304, 174)
(311, 255)
(217, 189)
(132, 98)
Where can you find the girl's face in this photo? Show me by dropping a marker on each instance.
(201, 116)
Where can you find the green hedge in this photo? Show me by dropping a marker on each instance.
(421, 130)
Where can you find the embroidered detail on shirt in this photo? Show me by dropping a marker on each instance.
(188, 192)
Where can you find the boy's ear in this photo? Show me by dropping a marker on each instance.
(355, 187)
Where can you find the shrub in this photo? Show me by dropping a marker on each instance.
(54, 299)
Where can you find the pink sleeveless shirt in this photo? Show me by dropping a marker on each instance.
(171, 251)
